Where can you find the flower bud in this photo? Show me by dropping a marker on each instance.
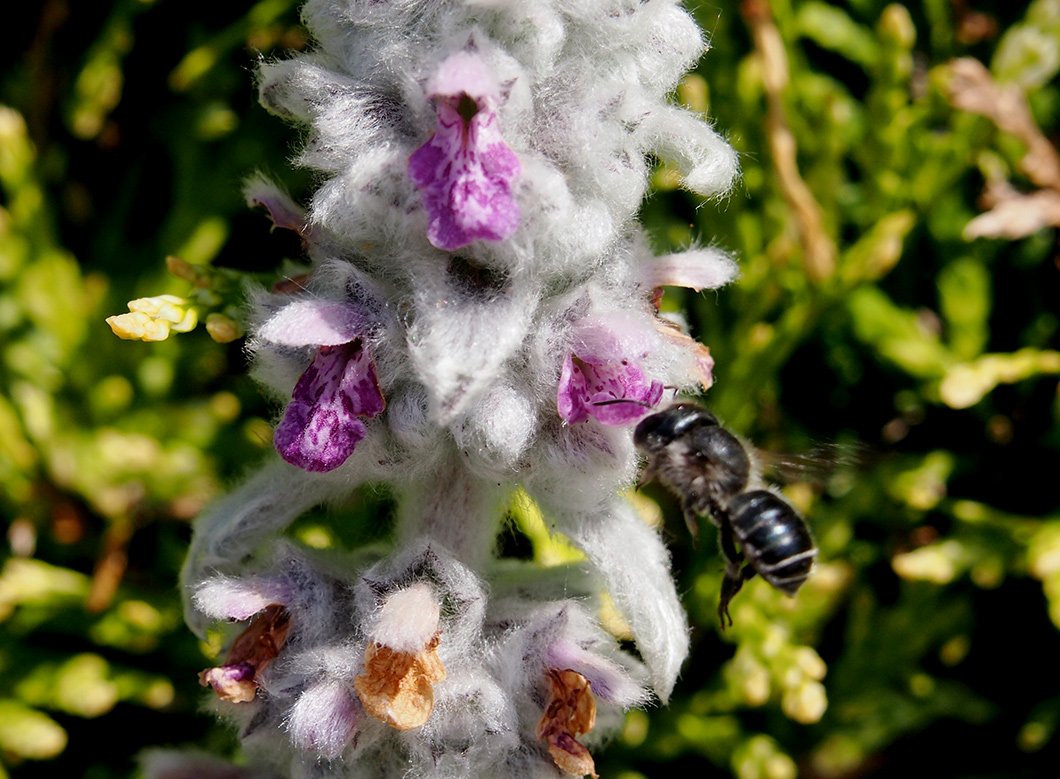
(152, 319)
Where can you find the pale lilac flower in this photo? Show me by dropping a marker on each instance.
(601, 377)
(240, 599)
(609, 681)
(261, 602)
(695, 269)
(556, 661)
(325, 718)
(283, 211)
(323, 422)
(466, 170)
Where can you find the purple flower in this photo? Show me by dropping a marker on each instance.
(465, 170)
(600, 379)
(322, 423)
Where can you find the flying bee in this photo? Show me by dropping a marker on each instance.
(709, 471)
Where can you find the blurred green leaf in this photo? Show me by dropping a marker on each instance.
(36, 583)
(964, 301)
(899, 336)
(29, 734)
(830, 27)
(1028, 54)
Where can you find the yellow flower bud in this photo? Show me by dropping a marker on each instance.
(167, 307)
(153, 318)
(138, 327)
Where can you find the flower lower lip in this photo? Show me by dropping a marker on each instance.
(465, 171)
(324, 420)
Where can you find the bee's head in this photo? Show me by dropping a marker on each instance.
(657, 431)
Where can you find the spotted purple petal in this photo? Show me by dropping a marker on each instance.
(322, 424)
(465, 171)
(614, 392)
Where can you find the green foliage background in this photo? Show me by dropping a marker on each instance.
(930, 630)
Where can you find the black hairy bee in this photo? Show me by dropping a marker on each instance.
(709, 470)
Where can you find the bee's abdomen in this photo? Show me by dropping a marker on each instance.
(774, 538)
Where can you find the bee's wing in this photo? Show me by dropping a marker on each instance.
(814, 466)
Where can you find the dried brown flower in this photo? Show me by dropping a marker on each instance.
(571, 712)
(237, 680)
(397, 687)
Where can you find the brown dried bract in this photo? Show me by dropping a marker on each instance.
(973, 89)
(1012, 214)
(819, 249)
(571, 712)
(251, 653)
(397, 687)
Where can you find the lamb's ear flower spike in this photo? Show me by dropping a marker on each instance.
(466, 171)
(517, 356)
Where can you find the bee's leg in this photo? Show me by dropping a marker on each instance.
(727, 541)
(691, 520)
(736, 573)
(731, 585)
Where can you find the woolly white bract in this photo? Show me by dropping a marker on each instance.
(479, 318)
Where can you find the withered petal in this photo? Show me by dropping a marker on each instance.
(571, 712)
(397, 687)
(256, 647)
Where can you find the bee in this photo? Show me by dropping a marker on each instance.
(710, 472)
